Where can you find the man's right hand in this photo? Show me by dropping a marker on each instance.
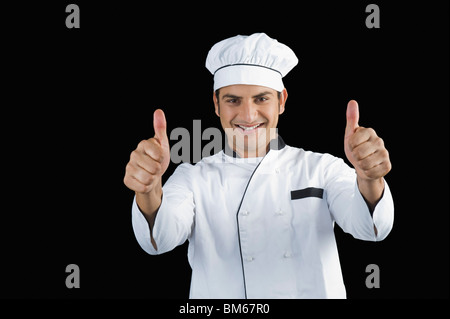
(149, 161)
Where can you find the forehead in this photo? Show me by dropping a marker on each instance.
(244, 90)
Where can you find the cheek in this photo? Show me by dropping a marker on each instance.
(225, 120)
(226, 116)
(271, 116)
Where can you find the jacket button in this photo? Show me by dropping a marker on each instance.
(277, 170)
(249, 259)
(279, 212)
(245, 212)
(287, 254)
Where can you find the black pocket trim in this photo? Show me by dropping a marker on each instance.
(307, 192)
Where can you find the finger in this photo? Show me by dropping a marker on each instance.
(379, 170)
(141, 158)
(360, 136)
(136, 186)
(160, 127)
(373, 160)
(152, 149)
(132, 183)
(138, 173)
(149, 165)
(352, 118)
(367, 148)
(363, 150)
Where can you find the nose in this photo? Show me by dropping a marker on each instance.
(249, 111)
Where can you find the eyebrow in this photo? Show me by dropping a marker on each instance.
(262, 94)
(231, 96)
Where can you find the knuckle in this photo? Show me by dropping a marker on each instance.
(131, 184)
(389, 167)
(140, 188)
(146, 189)
(133, 156)
(144, 142)
(379, 143)
(145, 145)
(126, 180)
(127, 170)
(142, 145)
(371, 131)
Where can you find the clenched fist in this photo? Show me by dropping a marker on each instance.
(363, 148)
(149, 160)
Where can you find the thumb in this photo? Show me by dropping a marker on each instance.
(160, 127)
(352, 118)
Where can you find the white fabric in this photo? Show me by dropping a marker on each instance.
(247, 74)
(288, 247)
(256, 60)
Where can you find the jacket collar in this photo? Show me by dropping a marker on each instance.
(275, 144)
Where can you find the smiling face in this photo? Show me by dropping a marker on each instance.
(249, 116)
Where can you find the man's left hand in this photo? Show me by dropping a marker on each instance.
(364, 149)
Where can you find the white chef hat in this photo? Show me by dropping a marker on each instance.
(255, 59)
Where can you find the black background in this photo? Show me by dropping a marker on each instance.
(76, 102)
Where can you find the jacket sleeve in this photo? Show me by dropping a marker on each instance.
(175, 218)
(348, 207)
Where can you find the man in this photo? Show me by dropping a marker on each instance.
(259, 215)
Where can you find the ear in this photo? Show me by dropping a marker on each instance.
(283, 98)
(216, 104)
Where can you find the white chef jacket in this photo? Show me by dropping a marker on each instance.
(263, 230)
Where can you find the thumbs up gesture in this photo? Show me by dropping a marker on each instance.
(150, 159)
(364, 149)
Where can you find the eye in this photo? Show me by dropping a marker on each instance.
(232, 101)
(261, 99)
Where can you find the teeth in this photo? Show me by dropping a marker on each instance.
(245, 128)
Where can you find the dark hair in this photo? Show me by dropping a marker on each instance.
(217, 95)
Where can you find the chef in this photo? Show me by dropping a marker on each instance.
(259, 215)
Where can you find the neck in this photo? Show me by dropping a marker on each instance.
(232, 149)
(259, 152)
